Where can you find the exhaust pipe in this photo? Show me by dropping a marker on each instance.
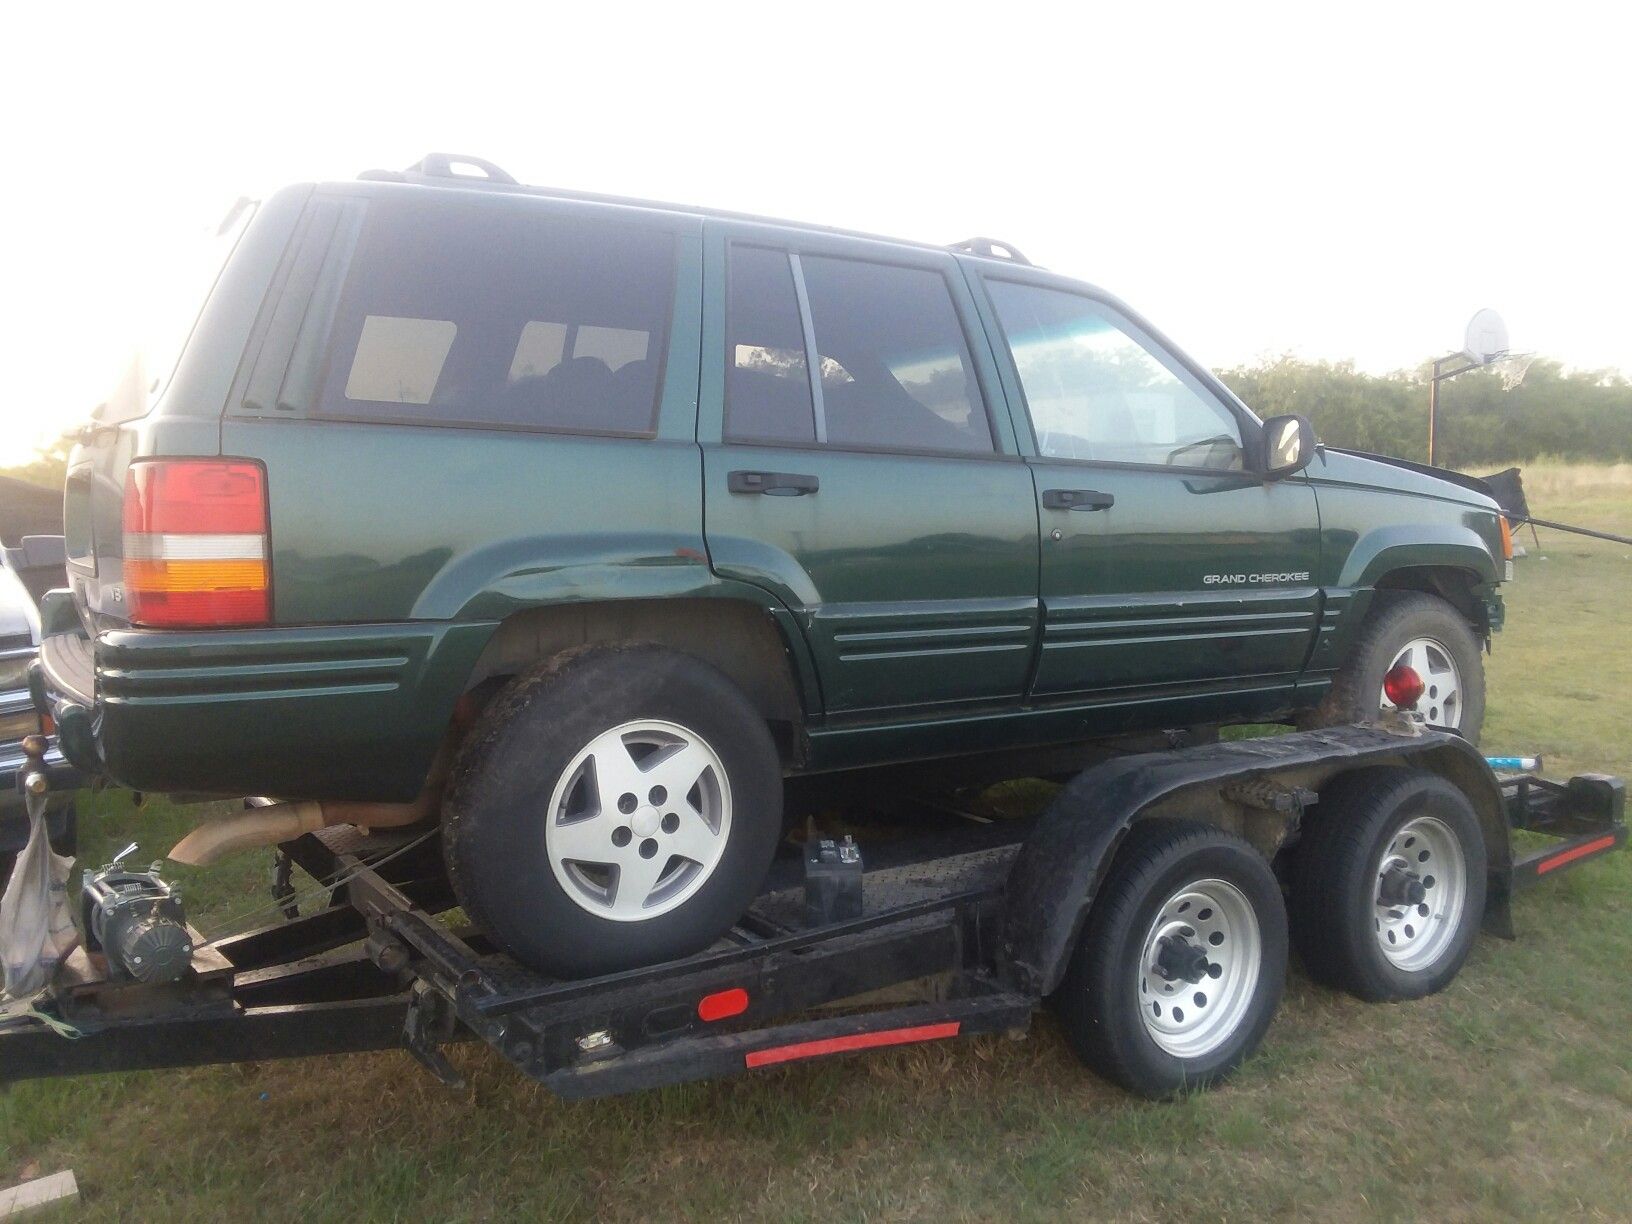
(221, 836)
(215, 839)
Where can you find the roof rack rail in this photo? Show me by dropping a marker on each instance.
(991, 248)
(434, 167)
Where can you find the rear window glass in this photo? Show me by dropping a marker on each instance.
(470, 316)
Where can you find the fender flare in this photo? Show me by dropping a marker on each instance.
(1063, 862)
(1395, 548)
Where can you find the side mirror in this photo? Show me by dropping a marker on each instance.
(1289, 445)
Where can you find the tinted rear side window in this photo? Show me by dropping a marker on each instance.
(908, 382)
(767, 395)
(470, 316)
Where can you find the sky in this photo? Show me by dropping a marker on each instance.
(1344, 182)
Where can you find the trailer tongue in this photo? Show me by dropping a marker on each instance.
(958, 933)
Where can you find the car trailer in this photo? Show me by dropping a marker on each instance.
(964, 929)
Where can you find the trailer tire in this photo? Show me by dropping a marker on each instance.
(1188, 917)
(616, 807)
(1385, 847)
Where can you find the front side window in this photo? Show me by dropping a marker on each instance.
(479, 317)
(1098, 390)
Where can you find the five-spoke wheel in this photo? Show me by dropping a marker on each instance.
(616, 807)
(639, 820)
(1435, 665)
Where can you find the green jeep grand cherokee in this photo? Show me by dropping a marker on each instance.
(578, 524)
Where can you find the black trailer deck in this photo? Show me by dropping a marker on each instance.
(379, 964)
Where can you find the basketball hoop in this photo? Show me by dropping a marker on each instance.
(1511, 368)
(1484, 346)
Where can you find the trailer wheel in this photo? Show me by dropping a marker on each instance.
(616, 807)
(1389, 884)
(1180, 966)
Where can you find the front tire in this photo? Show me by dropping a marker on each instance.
(1428, 633)
(615, 808)
(1182, 962)
(1389, 884)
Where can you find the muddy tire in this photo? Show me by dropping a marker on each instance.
(1429, 633)
(616, 807)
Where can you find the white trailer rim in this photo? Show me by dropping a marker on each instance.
(1199, 967)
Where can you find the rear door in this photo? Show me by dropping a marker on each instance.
(852, 466)
(1171, 570)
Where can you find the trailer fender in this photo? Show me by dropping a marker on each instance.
(1063, 862)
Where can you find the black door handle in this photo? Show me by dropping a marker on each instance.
(1077, 499)
(772, 484)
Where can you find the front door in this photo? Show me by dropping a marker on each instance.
(852, 468)
(1171, 571)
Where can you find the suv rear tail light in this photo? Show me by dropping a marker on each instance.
(196, 543)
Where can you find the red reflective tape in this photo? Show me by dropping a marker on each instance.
(1569, 856)
(859, 1041)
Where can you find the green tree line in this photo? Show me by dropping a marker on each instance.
(1580, 415)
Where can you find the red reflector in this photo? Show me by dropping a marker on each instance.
(859, 1041)
(723, 1004)
(1403, 687)
(1569, 856)
(195, 495)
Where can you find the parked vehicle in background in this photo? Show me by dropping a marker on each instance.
(19, 647)
(580, 524)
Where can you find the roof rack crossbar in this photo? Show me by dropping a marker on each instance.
(991, 248)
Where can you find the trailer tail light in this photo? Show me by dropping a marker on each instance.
(1403, 687)
(722, 1005)
(196, 543)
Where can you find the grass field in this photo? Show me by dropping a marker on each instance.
(1509, 1095)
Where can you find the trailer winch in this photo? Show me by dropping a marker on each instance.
(136, 920)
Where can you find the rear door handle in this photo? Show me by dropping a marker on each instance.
(772, 484)
(1077, 499)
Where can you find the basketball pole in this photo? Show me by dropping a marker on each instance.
(1442, 373)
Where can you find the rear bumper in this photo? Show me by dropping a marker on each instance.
(345, 712)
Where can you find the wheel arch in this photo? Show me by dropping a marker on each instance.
(756, 646)
(1233, 786)
(1454, 584)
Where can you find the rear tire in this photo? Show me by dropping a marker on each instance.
(1182, 962)
(616, 807)
(1434, 633)
(1375, 834)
